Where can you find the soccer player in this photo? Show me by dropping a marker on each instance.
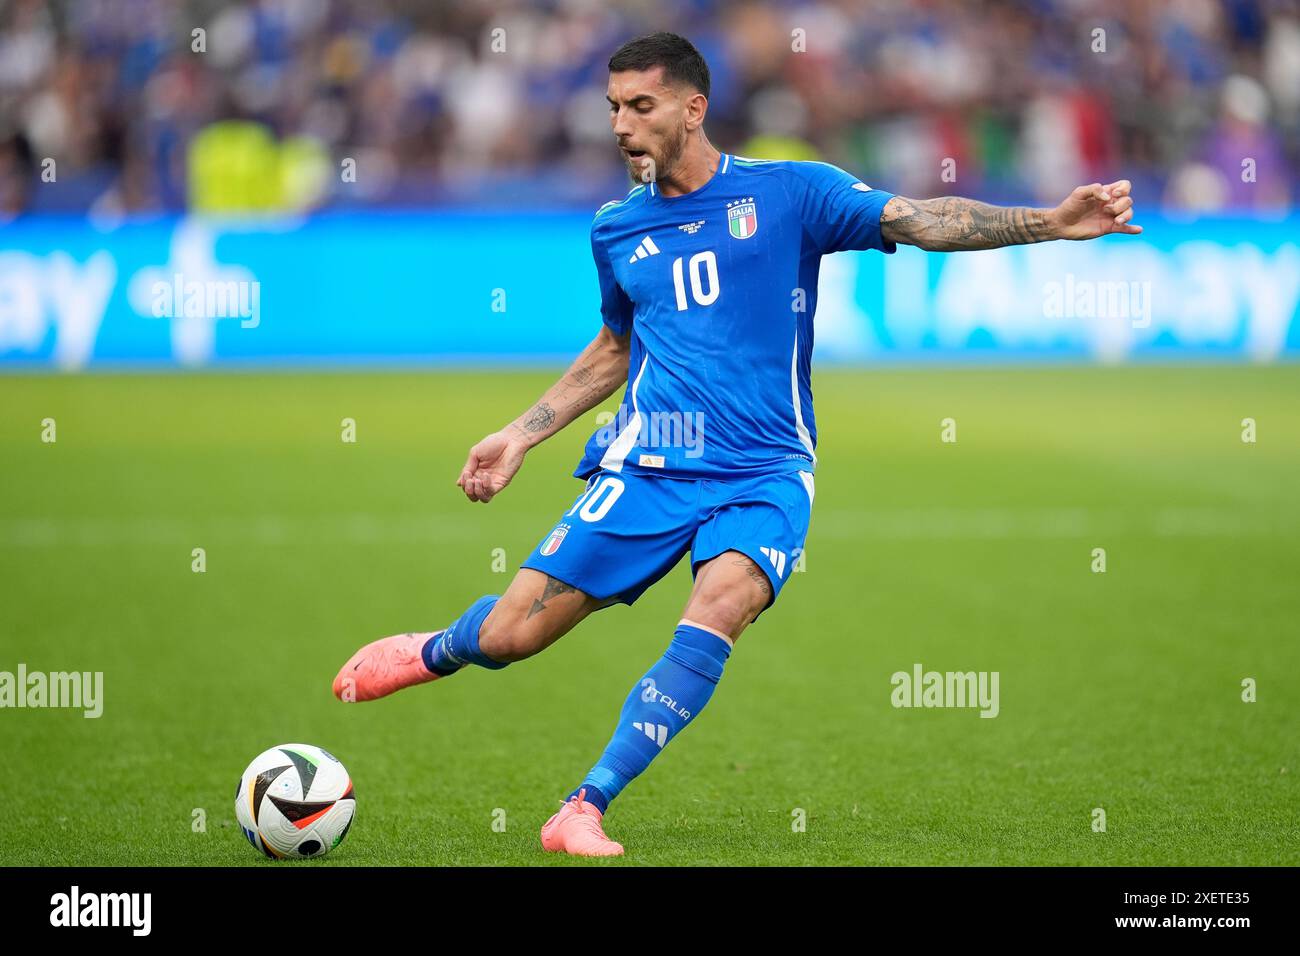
(708, 281)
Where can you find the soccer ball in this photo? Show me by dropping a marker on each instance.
(295, 800)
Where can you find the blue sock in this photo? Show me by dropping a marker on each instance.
(458, 644)
(670, 696)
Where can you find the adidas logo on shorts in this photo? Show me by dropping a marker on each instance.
(777, 558)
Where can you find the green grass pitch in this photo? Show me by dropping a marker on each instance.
(1120, 690)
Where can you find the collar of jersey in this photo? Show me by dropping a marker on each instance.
(724, 164)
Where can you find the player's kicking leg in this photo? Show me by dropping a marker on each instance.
(535, 611)
(730, 591)
(743, 550)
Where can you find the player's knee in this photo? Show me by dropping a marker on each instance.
(725, 611)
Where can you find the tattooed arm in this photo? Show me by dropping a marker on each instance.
(951, 224)
(594, 376)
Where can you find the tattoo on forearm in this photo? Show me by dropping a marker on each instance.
(554, 588)
(589, 388)
(952, 223)
(587, 385)
(540, 418)
(583, 375)
(592, 378)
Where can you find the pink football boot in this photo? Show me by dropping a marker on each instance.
(384, 666)
(576, 829)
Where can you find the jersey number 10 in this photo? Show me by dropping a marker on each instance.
(703, 266)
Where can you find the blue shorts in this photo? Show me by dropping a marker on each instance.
(626, 531)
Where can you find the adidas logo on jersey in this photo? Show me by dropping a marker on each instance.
(777, 558)
(647, 247)
(656, 732)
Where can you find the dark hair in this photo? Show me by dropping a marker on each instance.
(682, 63)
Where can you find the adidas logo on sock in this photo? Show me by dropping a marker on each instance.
(656, 732)
(647, 247)
(777, 558)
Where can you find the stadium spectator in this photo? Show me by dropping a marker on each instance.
(498, 102)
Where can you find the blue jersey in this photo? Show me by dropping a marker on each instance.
(718, 289)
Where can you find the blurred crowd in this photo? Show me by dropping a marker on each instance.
(145, 106)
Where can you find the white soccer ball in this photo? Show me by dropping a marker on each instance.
(295, 800)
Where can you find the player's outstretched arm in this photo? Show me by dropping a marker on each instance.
(951, 223)
(594, 376)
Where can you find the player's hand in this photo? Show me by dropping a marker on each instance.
(491, 465)
(1096, 210)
